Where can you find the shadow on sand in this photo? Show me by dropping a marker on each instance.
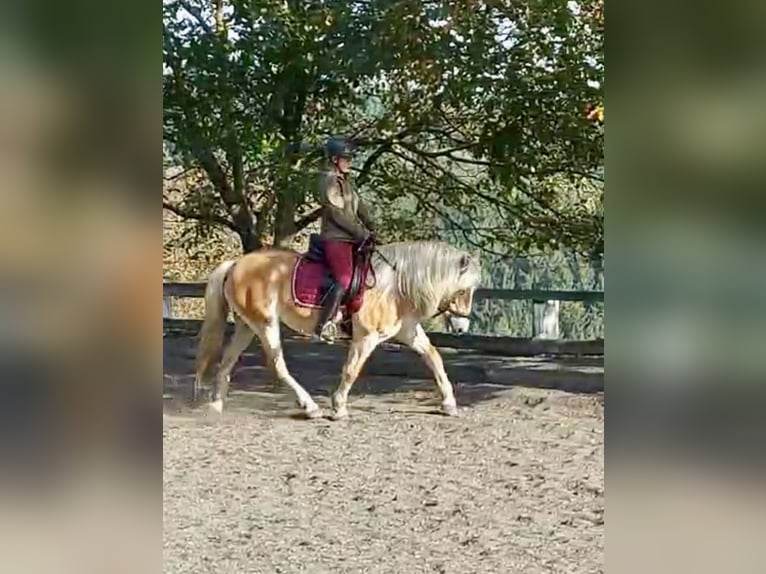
(391, 372)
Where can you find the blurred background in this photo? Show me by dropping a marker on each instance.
(686, 244)
(80, 268)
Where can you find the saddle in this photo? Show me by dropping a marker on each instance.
(312, 279)
(315, 252)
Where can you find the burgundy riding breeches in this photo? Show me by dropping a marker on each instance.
(340, 258)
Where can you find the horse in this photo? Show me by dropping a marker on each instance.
(411, 282)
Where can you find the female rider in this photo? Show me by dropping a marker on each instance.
(345, 225)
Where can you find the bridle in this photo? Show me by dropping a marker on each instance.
(446, 309)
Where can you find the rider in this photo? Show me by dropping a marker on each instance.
(346, 224)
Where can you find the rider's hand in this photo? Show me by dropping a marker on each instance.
(368, 243)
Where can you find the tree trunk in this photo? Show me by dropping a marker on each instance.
(250, 240)
(219, 25)
(284, 223)
(289, 198)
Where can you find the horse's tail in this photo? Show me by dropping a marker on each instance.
(214, 324)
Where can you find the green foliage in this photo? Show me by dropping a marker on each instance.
(549, 269)
(558, 270)
(471, 115)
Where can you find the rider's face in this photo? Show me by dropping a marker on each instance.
(344, 164)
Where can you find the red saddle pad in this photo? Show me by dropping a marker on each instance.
(311, 282)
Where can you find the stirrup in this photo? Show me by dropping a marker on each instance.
(328, 333)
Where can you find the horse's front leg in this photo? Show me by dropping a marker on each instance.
(415, 337)
(361, 349)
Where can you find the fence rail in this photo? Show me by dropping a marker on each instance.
(536, 295)
(545, 340)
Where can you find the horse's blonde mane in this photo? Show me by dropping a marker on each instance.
(425, 273)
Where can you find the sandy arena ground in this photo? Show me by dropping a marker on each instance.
(514, 484)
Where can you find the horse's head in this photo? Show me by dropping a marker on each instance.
(458, 304)
(433, 276)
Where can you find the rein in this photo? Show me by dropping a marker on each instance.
(384, 258)
(443, 310)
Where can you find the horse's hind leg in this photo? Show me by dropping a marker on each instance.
(239, 342)
(361, 349)
(272, 345)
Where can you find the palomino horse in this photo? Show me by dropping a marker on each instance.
(413, 282)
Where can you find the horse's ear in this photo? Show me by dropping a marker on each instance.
(465, 260)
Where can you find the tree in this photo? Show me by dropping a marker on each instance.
(471, 114)
(490, 120)
(242, 80)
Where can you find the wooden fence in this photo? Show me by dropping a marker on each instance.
(198, 290)
(545, 338)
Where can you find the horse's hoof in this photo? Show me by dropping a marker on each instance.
(339, 414)
(450, 409)
(216, 406)
(313, 413)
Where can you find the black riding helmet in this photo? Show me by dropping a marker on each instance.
(339, 147)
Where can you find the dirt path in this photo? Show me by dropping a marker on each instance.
(514, 484)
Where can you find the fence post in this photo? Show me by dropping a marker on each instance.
(167, 307)
(545, 320)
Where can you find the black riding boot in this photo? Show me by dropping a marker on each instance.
(326, 328)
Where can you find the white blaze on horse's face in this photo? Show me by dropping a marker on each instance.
(459, 325)
(459, 307)
(458, 311)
